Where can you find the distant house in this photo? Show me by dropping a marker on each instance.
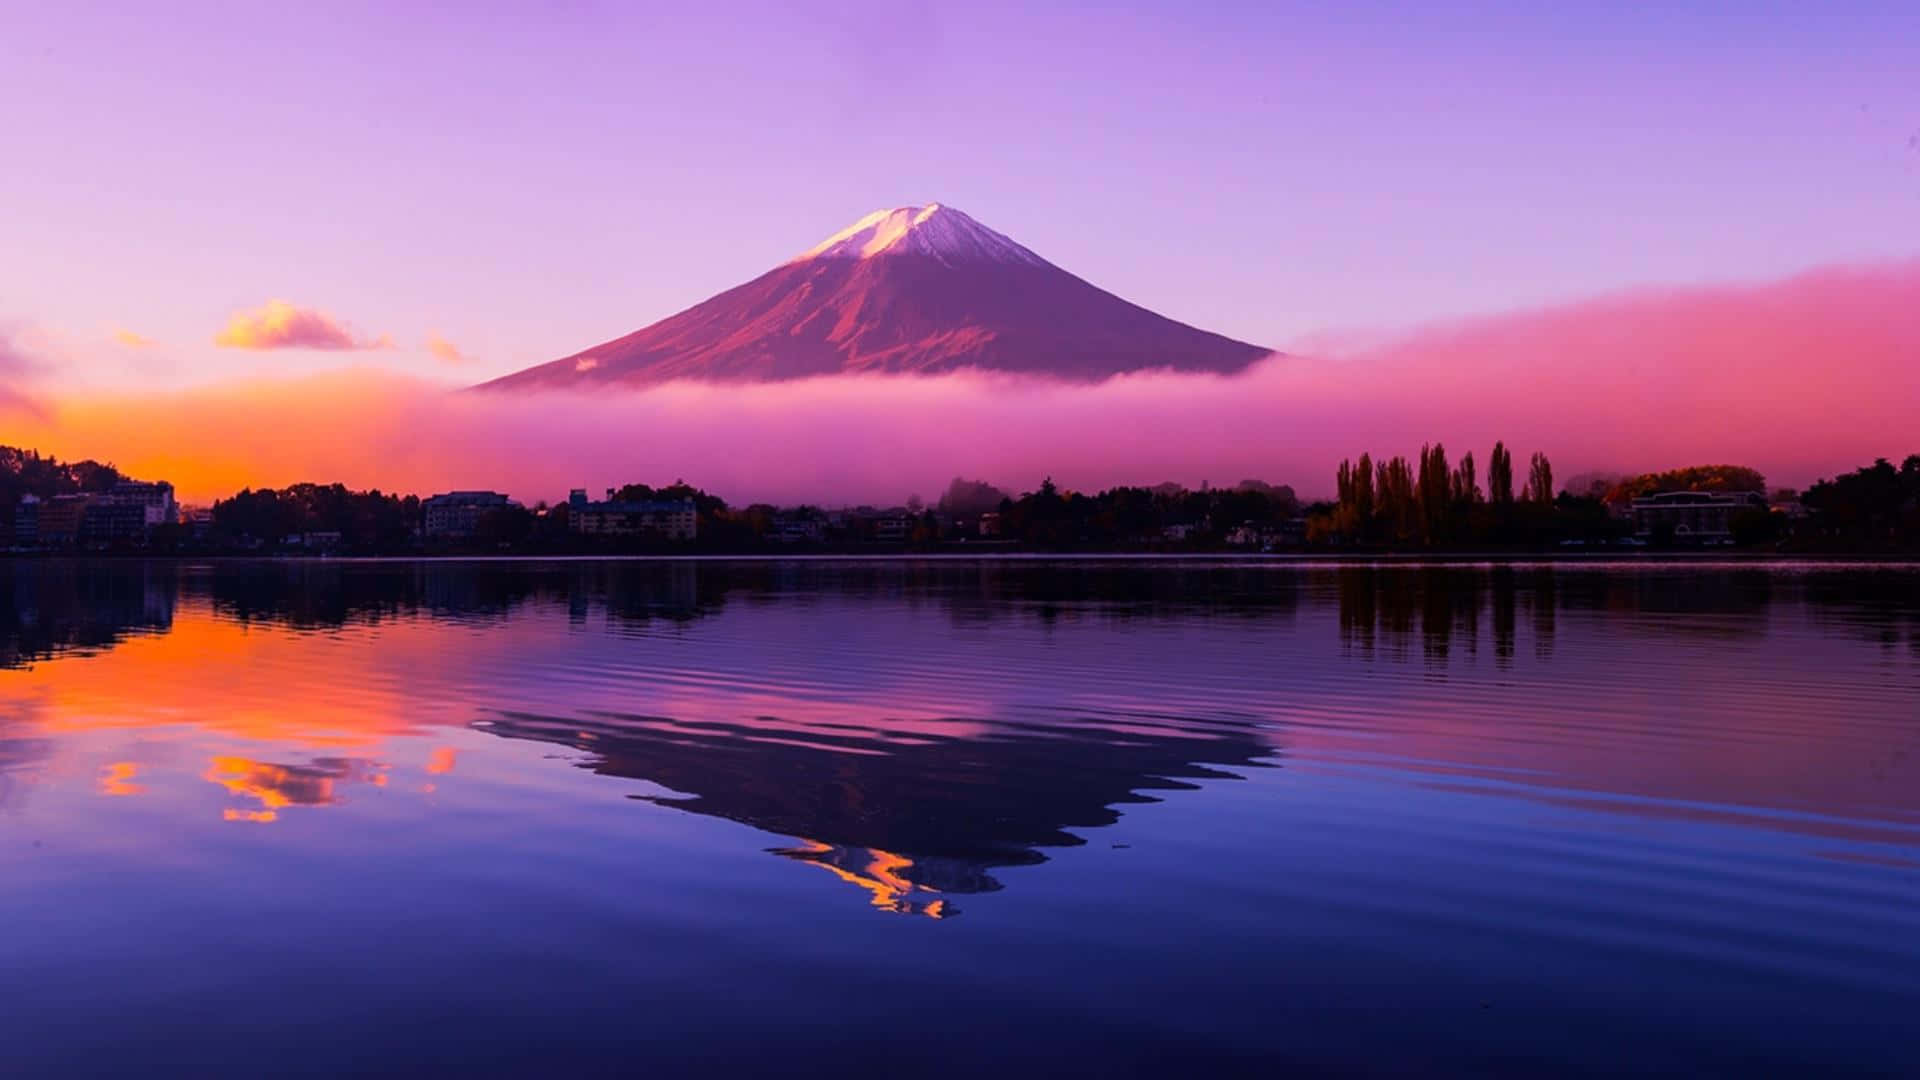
(1693, 515)
(457, 514)
(678, 521)
(799, 527)
(893, 527)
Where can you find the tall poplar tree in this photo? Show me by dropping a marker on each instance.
(1500, 476)
(1540, 480)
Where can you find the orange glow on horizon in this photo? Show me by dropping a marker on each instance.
(1770, 375)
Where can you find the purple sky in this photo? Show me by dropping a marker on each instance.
(525, 181)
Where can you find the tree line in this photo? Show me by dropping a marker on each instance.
(27, 472)
(1431, 502)
(362, 520)
(1136, 516)
(1871, 509)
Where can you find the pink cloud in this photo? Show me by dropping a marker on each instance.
(17, 402)
(16, 367)
(131, 340)
(15, 361)
(1799, 378)
(281, 325)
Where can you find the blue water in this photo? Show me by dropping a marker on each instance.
(934, 818)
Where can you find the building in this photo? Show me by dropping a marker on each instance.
(154, 499)
(59, 520)
(677, 521)
(893, 528)
(1692, 515)
(24, 525)
(799, 527)
(458, 513)
(125, 514)
(106, 521)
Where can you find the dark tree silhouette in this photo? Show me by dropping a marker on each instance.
(1500, 476)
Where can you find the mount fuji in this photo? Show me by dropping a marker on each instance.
(914, 290)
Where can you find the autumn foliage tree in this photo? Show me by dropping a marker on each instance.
(1691, 478)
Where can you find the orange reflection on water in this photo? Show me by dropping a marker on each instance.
(255, 681)
(276, 787)
(880, 873)
(116, 779)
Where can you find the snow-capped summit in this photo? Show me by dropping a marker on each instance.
(934, 230)
(914, 290)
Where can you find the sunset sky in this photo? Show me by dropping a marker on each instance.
(197, 193)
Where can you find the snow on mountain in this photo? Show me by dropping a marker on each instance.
(933, 229)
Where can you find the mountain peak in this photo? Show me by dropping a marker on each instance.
(935, 230)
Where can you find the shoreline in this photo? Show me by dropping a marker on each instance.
(1647, 559)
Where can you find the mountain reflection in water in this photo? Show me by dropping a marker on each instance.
(915, 818)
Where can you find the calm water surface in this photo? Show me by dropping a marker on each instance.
(934, 818)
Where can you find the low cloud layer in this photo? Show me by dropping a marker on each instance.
(1799, 378)
(281, 325)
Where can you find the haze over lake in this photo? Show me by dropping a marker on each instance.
(677, 817)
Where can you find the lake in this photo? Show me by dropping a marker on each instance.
(925, 817)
